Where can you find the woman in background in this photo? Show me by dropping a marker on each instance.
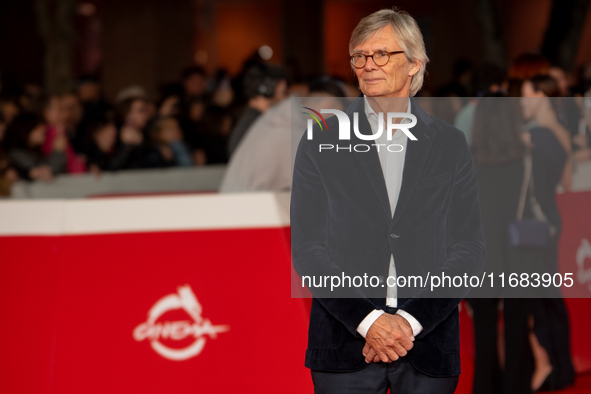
(103, 153)
(56, 116)
(545, 128)
(25, 138)
(499, 152)
(551, 332)
(133, 116)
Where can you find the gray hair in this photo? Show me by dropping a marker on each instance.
(407, 34)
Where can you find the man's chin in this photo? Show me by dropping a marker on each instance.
(373, 91)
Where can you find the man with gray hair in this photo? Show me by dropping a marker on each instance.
(388, 213)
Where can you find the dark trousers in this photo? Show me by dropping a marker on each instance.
(488, 377)
(399, 376)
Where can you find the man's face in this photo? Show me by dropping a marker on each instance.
(390, 80)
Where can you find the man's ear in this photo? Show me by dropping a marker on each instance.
(414, 67)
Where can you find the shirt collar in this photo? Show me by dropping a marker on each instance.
(369, 111)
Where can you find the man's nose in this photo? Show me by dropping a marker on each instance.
(370, 65)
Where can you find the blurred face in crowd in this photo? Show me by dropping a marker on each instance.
(72, 110)
(32, 95)
(54, 113)
(226, 127)
(138, 115)
(560, 76)
(170, 106)
(37, 136)
(531, 101)
(105, 137)
(390, 80)
(169, 131)
(224, 94)
(9, 110)
(195, 84)
(88, 92)
(196, 110)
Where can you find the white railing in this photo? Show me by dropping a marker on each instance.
(147, 181)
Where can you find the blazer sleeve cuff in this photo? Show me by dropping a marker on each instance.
(364, 326)
(414, 323)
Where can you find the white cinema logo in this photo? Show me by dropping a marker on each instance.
(177, 330)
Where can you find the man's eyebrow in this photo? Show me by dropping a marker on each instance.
(376, 50)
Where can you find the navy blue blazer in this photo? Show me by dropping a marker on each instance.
(341, 223)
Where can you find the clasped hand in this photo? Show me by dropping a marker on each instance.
(389, 338)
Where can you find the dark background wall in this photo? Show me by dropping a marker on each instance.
(148, 42)
(145, 42)
(21, 48)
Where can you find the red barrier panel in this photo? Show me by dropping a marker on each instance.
(575, 241)
(199, 310)
(575, 256)
(174, 311)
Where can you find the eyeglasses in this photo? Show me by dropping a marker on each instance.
(380, 58)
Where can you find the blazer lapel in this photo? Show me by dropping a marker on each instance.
(416, 155)
(370, 162)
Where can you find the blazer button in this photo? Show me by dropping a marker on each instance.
(382, 279)
(394, 235)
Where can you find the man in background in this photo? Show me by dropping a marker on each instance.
(264, 86)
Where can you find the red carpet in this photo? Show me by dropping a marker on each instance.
(580, 320)
(582, 385)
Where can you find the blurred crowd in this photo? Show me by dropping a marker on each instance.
(202, 119)
(531, 75)
(553, 100)
(245, 121)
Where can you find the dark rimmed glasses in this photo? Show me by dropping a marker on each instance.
(380, 58)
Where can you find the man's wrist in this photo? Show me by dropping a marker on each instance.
(366, 323)
(414, 323)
